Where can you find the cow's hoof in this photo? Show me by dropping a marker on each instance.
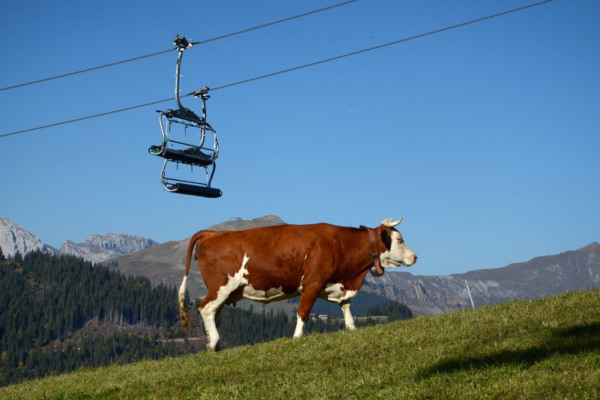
(212, 349)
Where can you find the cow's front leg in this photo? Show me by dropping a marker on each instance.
(299, 328)
(345, 305)
(307, 300)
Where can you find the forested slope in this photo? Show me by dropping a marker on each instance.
(46, 300)
(61, 313)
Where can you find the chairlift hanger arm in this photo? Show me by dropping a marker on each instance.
(177, 76)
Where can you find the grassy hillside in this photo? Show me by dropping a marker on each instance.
(547, 348)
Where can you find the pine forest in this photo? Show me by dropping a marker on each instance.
(62, 313)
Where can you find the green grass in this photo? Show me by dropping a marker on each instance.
(542, 349)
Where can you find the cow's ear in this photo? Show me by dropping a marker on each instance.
(386, 239)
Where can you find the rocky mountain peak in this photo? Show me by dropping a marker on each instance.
(14, 238)
(590, 248)
(120, 242)
(98, 248)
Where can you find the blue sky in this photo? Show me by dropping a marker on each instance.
(484, 138)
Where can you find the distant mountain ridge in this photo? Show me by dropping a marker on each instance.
(96, 248)
(539, 277)
(238, 224)
(165, 263)
(424, 295)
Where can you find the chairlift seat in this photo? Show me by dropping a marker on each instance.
(195, 190)
(188, 156)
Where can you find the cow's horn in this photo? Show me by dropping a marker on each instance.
(388, 222)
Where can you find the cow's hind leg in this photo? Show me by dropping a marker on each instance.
(213, 303)
(210, 312)
(345, 305)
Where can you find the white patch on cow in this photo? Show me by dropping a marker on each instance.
(348, 316)
(273, 294)
(299, 328)
(301, 287)
(399, 253)
(336, 293)
(210, 309)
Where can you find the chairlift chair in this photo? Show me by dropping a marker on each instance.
(178, 152)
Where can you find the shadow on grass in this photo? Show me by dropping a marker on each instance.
(572, 340)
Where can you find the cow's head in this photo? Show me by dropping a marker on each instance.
(397, 253)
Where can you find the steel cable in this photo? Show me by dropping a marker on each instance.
(290, 69)
(168, 51)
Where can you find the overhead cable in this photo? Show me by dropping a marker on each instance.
(274, 23)
(85, 70)
(168, 51)
(380, 46)
(292, 69)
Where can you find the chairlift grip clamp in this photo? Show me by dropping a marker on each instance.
(202, 93)
(181, 42)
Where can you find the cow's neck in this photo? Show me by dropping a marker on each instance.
(362, 253)
(375, 253)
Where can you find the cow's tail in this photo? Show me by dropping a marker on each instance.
(186, 322)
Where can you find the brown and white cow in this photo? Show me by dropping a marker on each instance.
(279, 262)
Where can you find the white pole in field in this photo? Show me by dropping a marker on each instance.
(466, 283)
